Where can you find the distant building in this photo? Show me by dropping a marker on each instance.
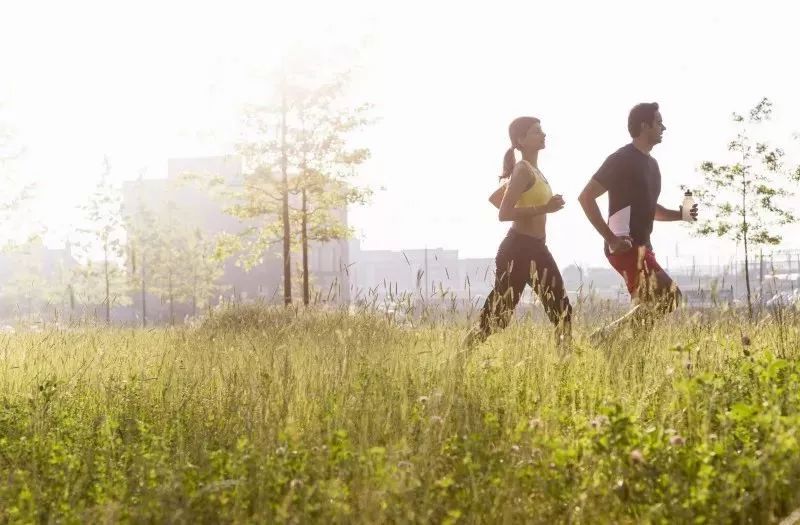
(425, 273)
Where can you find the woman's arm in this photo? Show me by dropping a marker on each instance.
(520, 179)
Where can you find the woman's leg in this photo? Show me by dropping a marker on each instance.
(549, 285)
(512, 273)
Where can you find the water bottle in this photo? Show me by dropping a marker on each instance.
(686, 208)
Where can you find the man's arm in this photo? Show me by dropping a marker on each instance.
(663, 214)
(588, 200)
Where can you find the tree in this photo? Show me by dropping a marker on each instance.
(167, 261)
(202, 270)
(326, 160)
(39, 279)
(263, 196)
(297, 150)
(185, 269)
(173, 258)
(747, 195)
(26, 289)
(142, 232)
(103, 235)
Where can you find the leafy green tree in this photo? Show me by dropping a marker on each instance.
(101, 277)
(748, 197)
(298, 160)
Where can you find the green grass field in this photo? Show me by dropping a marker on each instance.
(273, 416)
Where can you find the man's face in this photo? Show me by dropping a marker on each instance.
(655, 130)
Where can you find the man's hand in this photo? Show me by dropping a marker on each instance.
(692, 212)
(619, 244)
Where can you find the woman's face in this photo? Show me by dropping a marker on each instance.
(534, 139)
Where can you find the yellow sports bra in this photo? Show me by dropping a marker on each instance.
(537, 195)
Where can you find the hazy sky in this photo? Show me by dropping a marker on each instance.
(145, 81)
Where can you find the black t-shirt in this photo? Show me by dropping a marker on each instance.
(633, 181)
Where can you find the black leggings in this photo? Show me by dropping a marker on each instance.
(524, 260)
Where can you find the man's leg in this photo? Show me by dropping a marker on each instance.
(658, 296)
(653, 290)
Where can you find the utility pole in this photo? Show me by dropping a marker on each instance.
(144, 299)
(426, 271)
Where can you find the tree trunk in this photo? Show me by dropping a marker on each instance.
(108, 286)
(747, 279)
(171, 301)
(194, 292)
(304, 236)
(287, 262)
(761, 278)
(746, 252)
(144, 294)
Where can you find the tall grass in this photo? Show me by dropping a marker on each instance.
(273, 415)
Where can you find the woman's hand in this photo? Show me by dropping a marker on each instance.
(555, 203)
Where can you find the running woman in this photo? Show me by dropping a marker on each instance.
(523, 258)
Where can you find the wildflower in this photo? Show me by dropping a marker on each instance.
(637, 456)
(677, 440)
(598, 421)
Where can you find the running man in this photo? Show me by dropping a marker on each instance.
(632, 179)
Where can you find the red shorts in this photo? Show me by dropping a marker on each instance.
(634, 264)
